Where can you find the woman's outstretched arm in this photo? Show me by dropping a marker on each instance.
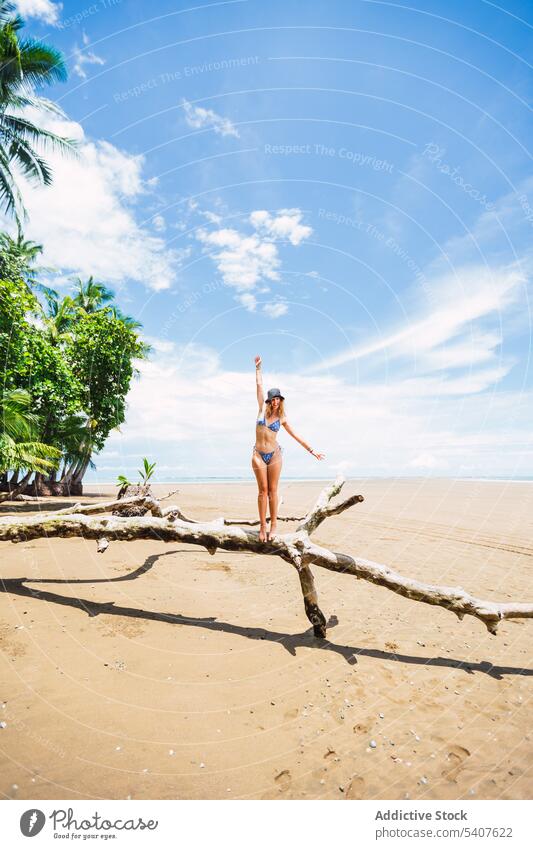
(302, 442)
(259, 383)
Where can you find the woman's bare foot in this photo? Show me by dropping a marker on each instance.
(272, 531)
(263, 535)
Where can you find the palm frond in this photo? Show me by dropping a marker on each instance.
(31, 165)
(41, 63)
(34, 456)
(10, 197)
(9, 14)
(16, 418)
(15, 126)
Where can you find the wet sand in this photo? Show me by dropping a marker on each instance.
(158, 671)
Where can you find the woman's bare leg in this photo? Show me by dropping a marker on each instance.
(260, 471)
(273, 473)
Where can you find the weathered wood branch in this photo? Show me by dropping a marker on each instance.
(322, 509)
(116, 505)
(295, 548)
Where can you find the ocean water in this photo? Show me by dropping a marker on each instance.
(93, 479)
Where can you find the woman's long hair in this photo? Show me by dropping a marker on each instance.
(281, 409)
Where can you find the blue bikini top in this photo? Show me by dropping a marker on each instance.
(275, 426)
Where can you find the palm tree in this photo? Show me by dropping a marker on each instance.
(76, 440)
(18, 259)
(24, 65)
(16, 417)
(60, 314)
(18, 447)
(127, 320)
(91, 296)
(22, 250)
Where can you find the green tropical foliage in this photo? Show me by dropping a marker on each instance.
(18, 258)
(91, 296)
(19, 449)
(147, 471)
(26, 64)
(74, 358)
(67, 361)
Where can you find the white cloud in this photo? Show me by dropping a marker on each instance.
(241, 260)
(285, 225)
(44, 10)
(85, 218)
(159, 223)
(401, 427)
(248, 301)
(275, 309)
(212, 217)
(83, 57)
(246, 260)
(428, 462)
(199, 118)
(160, 346)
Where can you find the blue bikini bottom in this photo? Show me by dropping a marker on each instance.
(266, 456)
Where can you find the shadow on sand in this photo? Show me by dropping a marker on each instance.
(290, 642)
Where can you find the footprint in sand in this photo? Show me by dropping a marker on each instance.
(455, 758)
(356, 788)
(114, 627)
(433, 706)
(361, 728)
(215, 567)
(291, 714)
(283, 779)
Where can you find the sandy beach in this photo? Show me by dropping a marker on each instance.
(159, 671)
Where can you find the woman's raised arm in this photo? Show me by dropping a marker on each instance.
(259, 383)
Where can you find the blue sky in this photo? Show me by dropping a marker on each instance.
(343, 187)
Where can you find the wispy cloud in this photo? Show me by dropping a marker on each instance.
(83, 56)
(447, 336)
(199, 118)
(275, 309)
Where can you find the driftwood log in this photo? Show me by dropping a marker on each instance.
(169, 524)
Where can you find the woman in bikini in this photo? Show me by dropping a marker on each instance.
(266, 457)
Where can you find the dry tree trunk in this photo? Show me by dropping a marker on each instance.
(15, 489)
(169, 524)
(139, 491)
